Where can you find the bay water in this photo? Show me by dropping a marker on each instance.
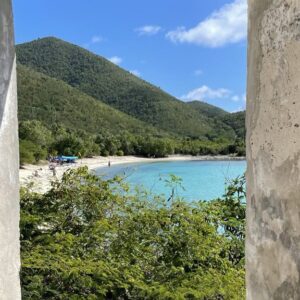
(200, 180)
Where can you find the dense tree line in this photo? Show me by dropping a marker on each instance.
(88, 239)
(37, 142)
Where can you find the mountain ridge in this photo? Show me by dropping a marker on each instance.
(108, 83)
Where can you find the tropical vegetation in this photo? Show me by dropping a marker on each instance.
(89, 238)
(37, 142)
(73, 105)
(107, 83)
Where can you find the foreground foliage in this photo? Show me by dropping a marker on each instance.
(93, 239)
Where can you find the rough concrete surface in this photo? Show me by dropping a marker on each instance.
(9, 161)
(273, 150)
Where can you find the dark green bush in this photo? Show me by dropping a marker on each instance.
(31, 153)
(88, 239)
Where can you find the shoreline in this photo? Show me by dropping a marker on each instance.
(40, 177)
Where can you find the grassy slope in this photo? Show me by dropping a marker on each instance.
(104, 81)
(50, 100)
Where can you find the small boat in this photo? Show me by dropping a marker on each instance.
(66, 159)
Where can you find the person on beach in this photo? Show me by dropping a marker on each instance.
(54, 171)
(109, 163)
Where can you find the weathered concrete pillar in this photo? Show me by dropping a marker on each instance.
(9, 161)
(273, 150)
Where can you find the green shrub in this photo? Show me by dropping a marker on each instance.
(27, 150)
(120, 153)
(88, 239)
(35, 132)
(31, 153)
(105, 153)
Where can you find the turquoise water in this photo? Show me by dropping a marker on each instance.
(202, 180)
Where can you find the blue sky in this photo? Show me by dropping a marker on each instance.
(193, 49)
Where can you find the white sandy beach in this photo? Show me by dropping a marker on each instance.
(40, 176)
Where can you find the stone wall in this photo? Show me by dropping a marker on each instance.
(9, 161)
(273, 150)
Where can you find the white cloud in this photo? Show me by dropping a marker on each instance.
(239, 109)
(116, 60)
(198, 72)
(205, 93)
(235, 98)
(239, 98)
(225, 26)
(96, 39)
(244, 97)
(136, 73)
(148, 30)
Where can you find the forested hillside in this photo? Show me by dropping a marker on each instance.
(209, 110)
(104, 81)
(72, 101)
(52, 101)
(237, 122)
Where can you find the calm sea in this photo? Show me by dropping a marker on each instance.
(201, 180)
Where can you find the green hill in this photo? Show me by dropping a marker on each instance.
(208, 109)
(236, 121)
(97, 77)
(52, 101)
